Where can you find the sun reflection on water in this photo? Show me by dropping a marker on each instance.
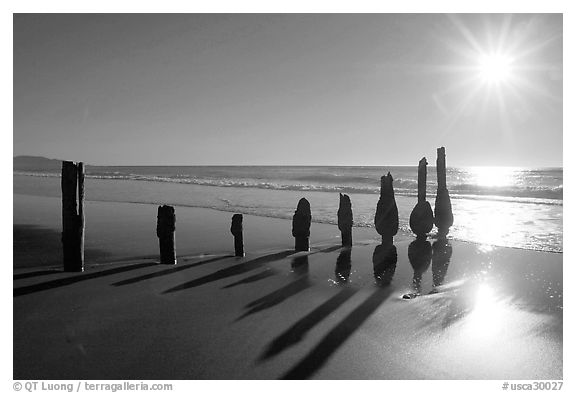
(493, 176)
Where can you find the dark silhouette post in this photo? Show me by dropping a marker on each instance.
(301, 225)
(236, 229)
(443, 217)
(165, 228)
(345, 220)
(421, 218)
(420, 256)
(386, 219)
(72, 184)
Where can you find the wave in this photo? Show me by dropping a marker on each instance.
(547, 195)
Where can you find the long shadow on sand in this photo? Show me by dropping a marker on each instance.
(384, 259)
(232, 271)
(327, 249)
(252, 278)
(36, 273)
(337, 336)
(168, 271)
(299, 283)
(35, 246)
(78, 277)
(277, 297)
(297, 331)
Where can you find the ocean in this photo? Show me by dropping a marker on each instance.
(493, 206)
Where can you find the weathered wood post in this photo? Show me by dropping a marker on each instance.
(165, 230)
(386, 218)
(443, 217)
(301, 225)
(236, 230)
(345, 220)
(72, 184)
(421, 218)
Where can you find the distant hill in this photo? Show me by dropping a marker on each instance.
(36, 164)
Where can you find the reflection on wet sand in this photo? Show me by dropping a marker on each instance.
(441, 254)
(420, 256)
(343, 265)
(300, 265)
(384, 259)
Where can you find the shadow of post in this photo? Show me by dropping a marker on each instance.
(168, 271)
(385, 258)
(77, 278)
(231, 271)
(296, 332)
(300, 269)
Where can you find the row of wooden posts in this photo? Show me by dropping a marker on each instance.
(422, 218)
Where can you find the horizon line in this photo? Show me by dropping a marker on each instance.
(299, 165)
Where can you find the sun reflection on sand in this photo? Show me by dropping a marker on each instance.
(483, 332)
(488, 316)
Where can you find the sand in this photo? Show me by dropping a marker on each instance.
(494, 313)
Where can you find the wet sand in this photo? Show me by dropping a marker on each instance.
(481, 312)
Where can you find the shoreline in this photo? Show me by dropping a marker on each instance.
(326, 230)
(537, 234)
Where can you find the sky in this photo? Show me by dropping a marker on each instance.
(289, 89)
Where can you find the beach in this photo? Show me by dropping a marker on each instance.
(484, 312)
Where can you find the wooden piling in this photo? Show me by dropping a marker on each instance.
(236, 230)
(441, 167)
(301, 225)
(345, 220)
(422, 172)
(386, 218)
(443, 217)
(72, 184)
(422, 218)
(81, 217)
(165, 230)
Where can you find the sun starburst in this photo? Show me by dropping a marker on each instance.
(497, 65)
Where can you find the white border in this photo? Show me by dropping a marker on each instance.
(298, 6)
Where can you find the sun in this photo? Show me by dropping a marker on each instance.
(495, 68)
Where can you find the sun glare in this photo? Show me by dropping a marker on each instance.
(495, 68)
(493, 176)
